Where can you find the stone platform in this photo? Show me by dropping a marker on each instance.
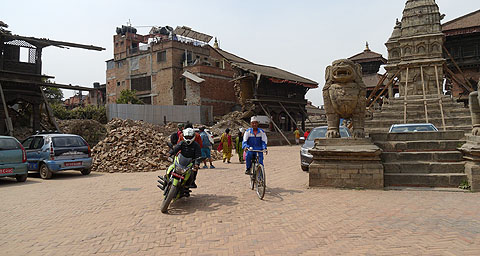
(471, 151)
(346, 163)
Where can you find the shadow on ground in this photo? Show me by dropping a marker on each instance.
(278, 194)
(201, 202)
(65, 175)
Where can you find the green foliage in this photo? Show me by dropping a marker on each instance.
(464, 185)
(88, 112)
(53, 95)
(128, 97)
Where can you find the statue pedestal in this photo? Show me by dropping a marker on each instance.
(471, 155)
(346, 163)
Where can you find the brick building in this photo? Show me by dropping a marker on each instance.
(179, 67)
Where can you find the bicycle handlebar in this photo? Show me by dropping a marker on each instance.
(259, 151)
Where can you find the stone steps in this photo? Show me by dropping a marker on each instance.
(383, 123)
(463, 128)
(416, 136)
(424, 167)
(414, 146)
(421, 113)
(431, 156)
(424, 180)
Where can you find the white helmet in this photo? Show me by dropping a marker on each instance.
(189, 135)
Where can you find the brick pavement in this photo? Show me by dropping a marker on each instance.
(119, 214)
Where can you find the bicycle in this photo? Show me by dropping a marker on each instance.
(257, 176)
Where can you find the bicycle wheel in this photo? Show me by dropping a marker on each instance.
(252, 178)
(260, 181)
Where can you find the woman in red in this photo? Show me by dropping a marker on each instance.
(307, 132)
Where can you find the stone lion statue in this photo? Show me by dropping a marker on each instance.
(344, 96)
(473, 100)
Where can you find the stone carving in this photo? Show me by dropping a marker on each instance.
(416, 43)
(474, 102)
(344, 97)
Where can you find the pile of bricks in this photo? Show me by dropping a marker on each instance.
(134, 146)
(234, 121)
(131, 146)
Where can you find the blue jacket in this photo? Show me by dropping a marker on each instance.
(258, 142)
(205, 140)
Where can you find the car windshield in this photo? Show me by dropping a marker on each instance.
(8, 144)
(68, 142)
(413, 128)
(322, 131)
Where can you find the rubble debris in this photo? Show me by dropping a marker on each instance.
(134, 146)
(233, 120)
(92, 131)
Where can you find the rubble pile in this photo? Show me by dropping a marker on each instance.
(131, 146)
(233, 120)
(92, 131)
(134, 146)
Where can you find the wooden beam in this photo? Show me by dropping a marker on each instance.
(294, 121)
(424, 95)
(458, 68)
(440, 103)
(454, 77)
(49, 111)
(384, 88)
(37, 83)
(379, 84)
(405, 100)
(273, 122)
(8, 121)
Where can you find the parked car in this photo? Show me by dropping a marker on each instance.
(305, 157)
(54, 152)
(13, 159)
(425, 127)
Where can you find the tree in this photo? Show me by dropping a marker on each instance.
(128, 97)
(53, 95)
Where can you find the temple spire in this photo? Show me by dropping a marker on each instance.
(215, 45)
(367, 49)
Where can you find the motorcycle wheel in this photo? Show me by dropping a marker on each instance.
(168, 198)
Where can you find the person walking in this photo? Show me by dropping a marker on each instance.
(226, 145)
(305, 135)
(297, 136)
(238, 146)
(206, 148)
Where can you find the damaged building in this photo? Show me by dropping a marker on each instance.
(21, 81)
(462, 52)
(178, 67)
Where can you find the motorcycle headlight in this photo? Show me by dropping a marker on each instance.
(179, 170)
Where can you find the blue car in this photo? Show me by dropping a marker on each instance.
(13, 159)
(54, 152)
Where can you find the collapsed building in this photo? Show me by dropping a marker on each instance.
(21, 80)
(178, 67)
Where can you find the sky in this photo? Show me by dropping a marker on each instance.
(302, 37)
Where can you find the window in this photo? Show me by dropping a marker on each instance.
(26, 143)
(8, 144)
(141, 83)
(37, 143)
(119, 64)
(123, 83)
(68, 142)
(162, 56)
(118, 83)
(110, 64)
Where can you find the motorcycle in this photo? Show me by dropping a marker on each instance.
(174, 183)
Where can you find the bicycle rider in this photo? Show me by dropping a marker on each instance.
(254, 139)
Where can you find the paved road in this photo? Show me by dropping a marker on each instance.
(119, 214)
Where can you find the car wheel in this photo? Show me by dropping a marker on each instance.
(305, 168)
(21, 178)
(86, 171)
(45, 173)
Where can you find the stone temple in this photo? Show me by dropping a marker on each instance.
(416, 44)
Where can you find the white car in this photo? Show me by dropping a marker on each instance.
(421, 127)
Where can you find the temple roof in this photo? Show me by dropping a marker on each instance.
(367, 56)
(470, 20)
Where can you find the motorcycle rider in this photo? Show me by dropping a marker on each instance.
(190, 149)
(256, 139)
